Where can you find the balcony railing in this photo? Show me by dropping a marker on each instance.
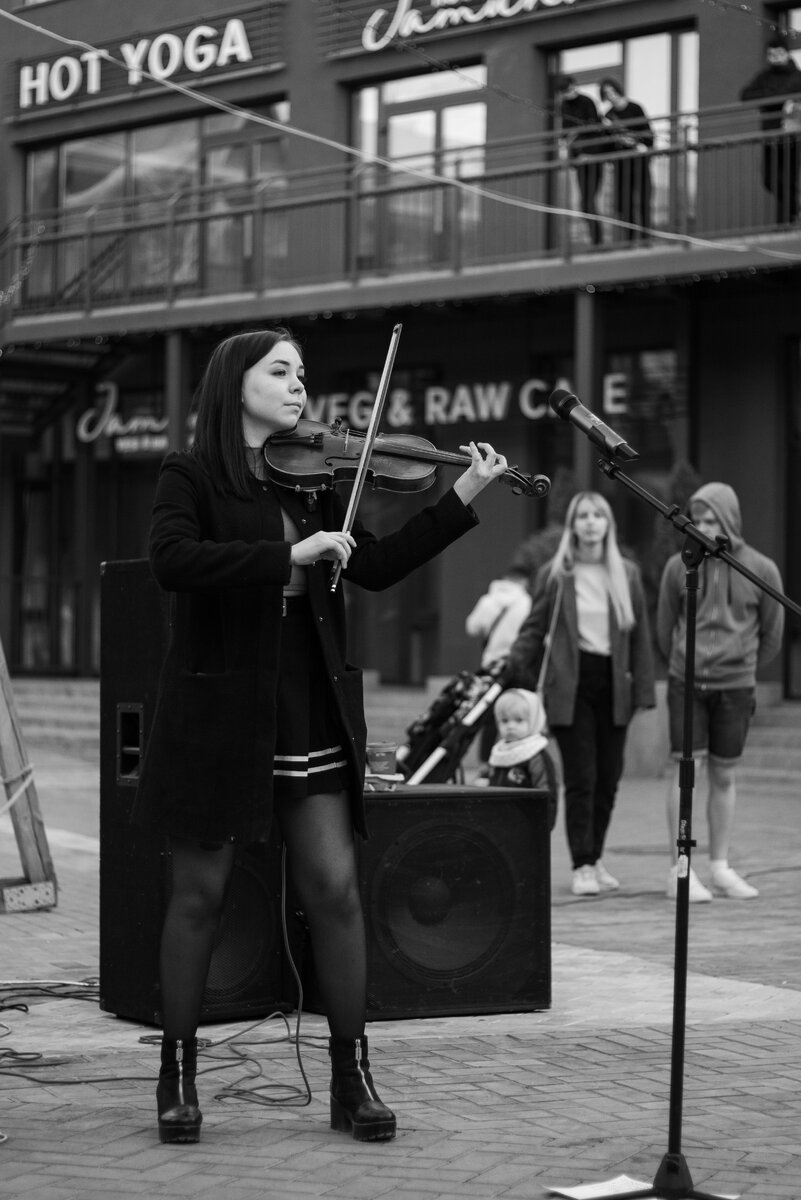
(364, 221)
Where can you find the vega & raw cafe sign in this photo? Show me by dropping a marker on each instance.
(186, 55)
(463, 402)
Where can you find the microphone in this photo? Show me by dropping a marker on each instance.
(570, 408)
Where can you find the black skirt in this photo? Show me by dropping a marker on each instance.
(309, 756)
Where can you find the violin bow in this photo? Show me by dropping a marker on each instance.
(367, 448)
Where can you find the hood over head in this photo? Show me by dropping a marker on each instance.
(534, 705)
(722, 500)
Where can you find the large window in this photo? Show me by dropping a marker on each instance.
(434, 124)
(790, 22)
(143, 191)
(659, 72)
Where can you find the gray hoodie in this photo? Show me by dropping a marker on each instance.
(738, 626)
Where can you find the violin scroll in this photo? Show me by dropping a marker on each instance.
(526, 485)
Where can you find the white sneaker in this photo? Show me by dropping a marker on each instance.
(698, 893)
(606, 882)
(726, 882)
(585, 882)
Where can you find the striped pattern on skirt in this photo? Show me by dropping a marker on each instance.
(309, 756)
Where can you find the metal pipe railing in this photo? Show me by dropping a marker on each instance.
(709, 180)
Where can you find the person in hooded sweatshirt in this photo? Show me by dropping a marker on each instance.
(738, 629)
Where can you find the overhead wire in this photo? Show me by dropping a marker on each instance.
(393, 165)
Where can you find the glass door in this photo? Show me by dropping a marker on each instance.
(414, 212)
(426, 125)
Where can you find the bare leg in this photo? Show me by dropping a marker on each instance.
(672, 809)
(322, 861)
(722, 800)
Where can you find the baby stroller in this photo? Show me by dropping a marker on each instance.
(439, 739)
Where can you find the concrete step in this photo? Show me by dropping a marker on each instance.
(773, 780)
(67, 712)
(786, 715)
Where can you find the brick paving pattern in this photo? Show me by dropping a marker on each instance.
(489, 1105)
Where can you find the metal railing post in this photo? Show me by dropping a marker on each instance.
(171, 249)
(563, 175)
(87, 259)
(353, 225)
(258, 237)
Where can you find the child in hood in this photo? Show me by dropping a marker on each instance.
(520, 756)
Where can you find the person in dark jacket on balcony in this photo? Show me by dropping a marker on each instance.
(259, 714)
(781, 78)
(583, 138)
(634, 139)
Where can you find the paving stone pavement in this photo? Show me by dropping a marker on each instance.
(489, 1105)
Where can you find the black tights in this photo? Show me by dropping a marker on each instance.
(322, 862)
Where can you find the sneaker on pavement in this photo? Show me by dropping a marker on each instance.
(728, 883)
(606, 882)
(585, 882)
(698, 893)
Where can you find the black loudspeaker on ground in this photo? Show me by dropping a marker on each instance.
(455, 881)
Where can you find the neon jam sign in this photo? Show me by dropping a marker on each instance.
(382, 27)
(142, 433)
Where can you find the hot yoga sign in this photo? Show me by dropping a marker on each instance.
(183, 54)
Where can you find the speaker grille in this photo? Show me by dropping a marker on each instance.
(456, 885)
(444, 894)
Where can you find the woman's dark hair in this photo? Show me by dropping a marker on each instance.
(218, 443)
(609, 82)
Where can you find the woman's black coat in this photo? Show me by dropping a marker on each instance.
(207, 771)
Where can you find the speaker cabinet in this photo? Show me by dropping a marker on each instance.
(246, 977)
(455, 884)
(456, 889)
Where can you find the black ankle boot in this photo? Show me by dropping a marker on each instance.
(355, 1106)
(176, 1095)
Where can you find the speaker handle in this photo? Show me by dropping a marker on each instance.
(130, 742)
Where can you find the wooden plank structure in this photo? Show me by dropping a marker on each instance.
(38, 887)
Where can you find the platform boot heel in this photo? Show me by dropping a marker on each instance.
(176, 1095)
(355, 1106)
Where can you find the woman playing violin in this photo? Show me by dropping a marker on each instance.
(259, 716)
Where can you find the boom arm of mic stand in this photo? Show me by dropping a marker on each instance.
(683, 524)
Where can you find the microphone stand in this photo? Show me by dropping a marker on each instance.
(673, 1180)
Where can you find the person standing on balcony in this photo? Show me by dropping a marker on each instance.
(634, 139)
(259, 716)
(584, 140)
(738, 628)
(780, 122)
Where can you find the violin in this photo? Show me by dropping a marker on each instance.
(315, 457)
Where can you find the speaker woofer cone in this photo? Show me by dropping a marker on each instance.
(441, 903)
